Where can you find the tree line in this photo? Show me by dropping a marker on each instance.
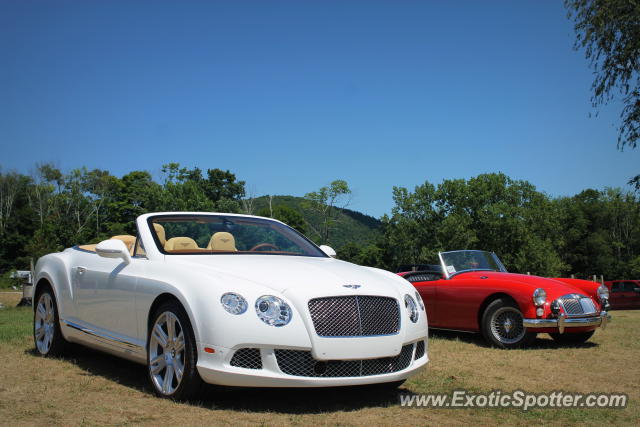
(593, 232)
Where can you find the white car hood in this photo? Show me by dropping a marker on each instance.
(299, 279)
(281, 273)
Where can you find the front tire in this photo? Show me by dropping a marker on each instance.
(572, 338)
(172, 355)
(502, 325)
(47, 335)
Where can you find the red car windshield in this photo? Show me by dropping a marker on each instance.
(455, 262)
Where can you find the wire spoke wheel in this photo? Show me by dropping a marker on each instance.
(506, 325)
(44, 323)
(167, 353)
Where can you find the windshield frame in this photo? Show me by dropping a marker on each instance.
(159, 246)
(447, 275)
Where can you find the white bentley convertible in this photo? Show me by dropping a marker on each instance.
(232, 300)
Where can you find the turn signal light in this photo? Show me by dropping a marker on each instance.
(209, 350)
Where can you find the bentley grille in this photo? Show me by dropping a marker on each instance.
(300, 363)
(420, 350)
(353, 316)
(248, 358)
(576, 305)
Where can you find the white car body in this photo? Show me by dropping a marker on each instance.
(106, 303)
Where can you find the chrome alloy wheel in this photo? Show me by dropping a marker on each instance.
(166, 353)
(44, 323)
(506, 325)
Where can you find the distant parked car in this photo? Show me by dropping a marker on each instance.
(232, 300)
(625, 294)
(472, 291)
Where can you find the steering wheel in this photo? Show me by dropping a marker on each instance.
(264, 245)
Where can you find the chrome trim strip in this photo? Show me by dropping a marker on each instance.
(110, 339)
(566, 322)
(109, 251)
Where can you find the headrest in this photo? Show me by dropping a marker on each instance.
(128, 240)
(222, 241)
(179, 243)
(161, 234)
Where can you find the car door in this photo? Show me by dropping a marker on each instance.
(105, 294)
(428, 292)
(616, 297)
(457, 303)
(632, 297)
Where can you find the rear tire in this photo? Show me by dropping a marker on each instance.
(47, 335)
(172, 354)
(502, 325)
(572, 338)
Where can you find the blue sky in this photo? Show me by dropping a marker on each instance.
(292, 95)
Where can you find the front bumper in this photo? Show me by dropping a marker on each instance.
(563, 322)
(216, 369)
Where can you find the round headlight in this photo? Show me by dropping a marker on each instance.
(234, 303)
(539, 296)
(603, 292)
(412, 308)
(273, 310)
(420, 302)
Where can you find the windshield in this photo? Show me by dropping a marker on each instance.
(213, 234)
(455, 262)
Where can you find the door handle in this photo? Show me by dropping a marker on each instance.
(81, 270)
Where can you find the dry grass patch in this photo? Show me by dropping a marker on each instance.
(90, 388)
(10, 299)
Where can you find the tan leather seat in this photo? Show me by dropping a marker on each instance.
(128, 240)
(222, 241)
(162, 236)
(180, 243)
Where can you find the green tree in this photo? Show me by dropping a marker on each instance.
(490, 212)
(609, 32)
(289, 216)
(601, 230)
(220, 187)
(324, 203)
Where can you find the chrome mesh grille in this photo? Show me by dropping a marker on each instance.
(300, 363)
(248, 358)
(352, 316)
(420, 350)
(575, 305)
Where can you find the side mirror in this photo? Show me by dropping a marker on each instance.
(328, 250)
(113, 248)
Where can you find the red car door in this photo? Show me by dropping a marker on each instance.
(632, 297)
(429, 294)
(620, 298)
(616, 297)
(457, 303)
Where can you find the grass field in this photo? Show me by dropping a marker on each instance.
(90, 388)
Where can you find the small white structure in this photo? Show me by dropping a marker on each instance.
(27, 285)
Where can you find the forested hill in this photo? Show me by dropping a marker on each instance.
(350, 226)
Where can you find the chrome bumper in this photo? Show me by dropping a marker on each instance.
(563, 322)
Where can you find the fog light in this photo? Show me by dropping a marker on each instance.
(539, 312)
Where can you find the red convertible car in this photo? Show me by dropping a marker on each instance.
(472, 291)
